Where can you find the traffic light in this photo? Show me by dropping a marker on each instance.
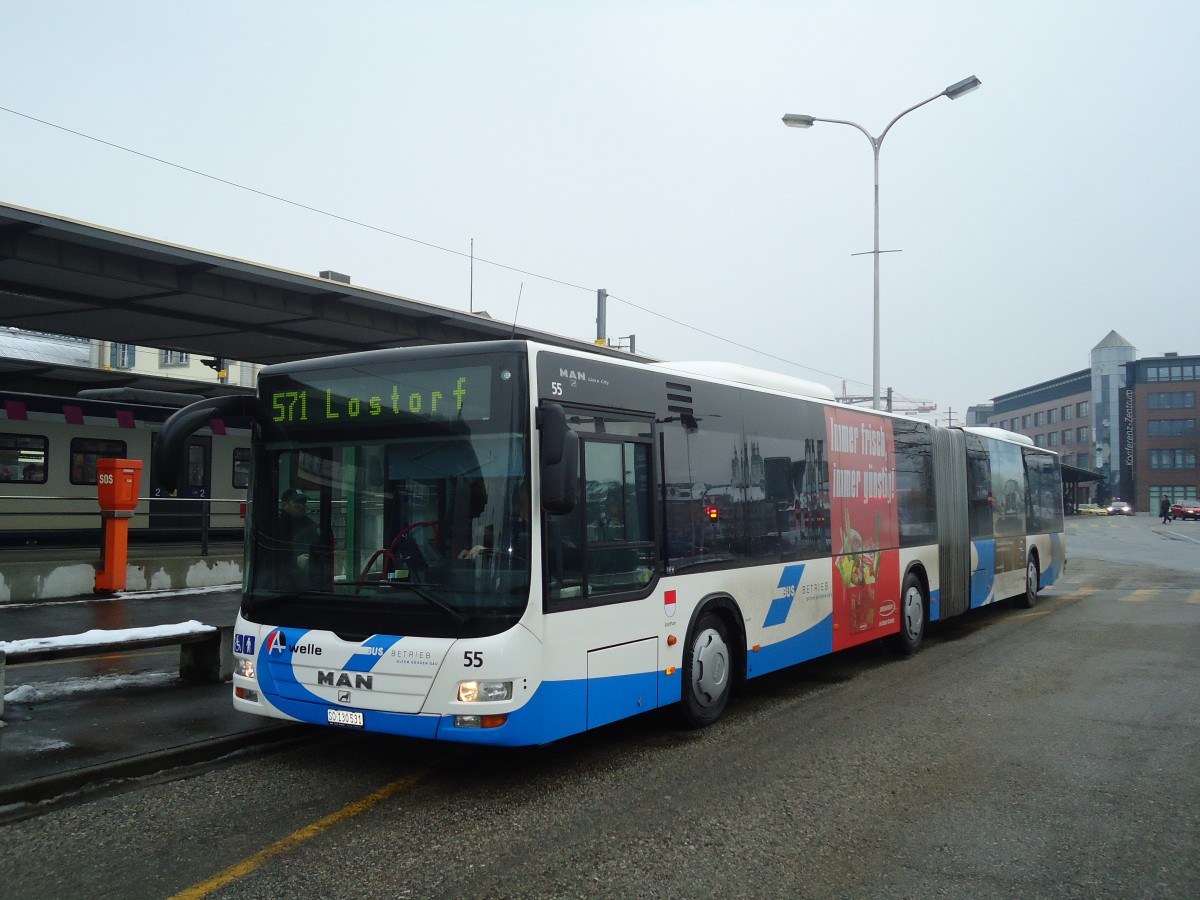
(218, 365)
(713, 513)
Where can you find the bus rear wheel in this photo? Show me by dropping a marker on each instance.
(1029, 599)
(913, 616)
(707, 671)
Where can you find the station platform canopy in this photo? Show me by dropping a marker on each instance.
(62, 276)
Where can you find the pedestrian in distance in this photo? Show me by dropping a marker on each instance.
(1164, 509)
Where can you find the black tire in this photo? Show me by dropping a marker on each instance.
(914, 615)
(1029, 599)
(707, 671)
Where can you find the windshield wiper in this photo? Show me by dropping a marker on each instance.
(459, 617)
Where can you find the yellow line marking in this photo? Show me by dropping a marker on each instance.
(1194, 598)
(251, 863)
(1139, 596)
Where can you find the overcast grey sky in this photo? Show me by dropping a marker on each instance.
(637, 146)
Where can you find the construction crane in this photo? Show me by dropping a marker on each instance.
(910, 406)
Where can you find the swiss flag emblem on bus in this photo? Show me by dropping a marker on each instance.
(669, 603)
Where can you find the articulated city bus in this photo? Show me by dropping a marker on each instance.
(508, 543)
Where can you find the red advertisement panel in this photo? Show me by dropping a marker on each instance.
(862, 501)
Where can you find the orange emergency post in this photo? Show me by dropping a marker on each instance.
(117, 483)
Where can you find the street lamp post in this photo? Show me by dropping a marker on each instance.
(797, 121)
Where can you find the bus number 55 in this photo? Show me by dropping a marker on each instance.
(472, 658)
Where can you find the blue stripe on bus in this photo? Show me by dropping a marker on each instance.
(983, 578)
(1058, 557)
(365, 662)
(816, 641)
(789, 581)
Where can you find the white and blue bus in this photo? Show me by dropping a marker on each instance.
(508, 543)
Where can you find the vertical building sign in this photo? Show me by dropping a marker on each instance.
(862, 497)
(1128, 486)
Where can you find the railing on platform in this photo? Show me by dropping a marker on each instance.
(67, 520)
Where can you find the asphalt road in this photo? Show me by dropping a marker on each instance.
(1043, 753)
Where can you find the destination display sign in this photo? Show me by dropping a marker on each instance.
(353, 398)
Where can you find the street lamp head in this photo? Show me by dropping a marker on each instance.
(791, 120)
(962, 87)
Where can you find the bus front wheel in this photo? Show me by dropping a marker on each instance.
(707, 671)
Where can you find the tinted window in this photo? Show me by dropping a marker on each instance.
(786, 478)
(979, 488)
(914, 483)
(23, 458)
(85, 452)
(1044, 494)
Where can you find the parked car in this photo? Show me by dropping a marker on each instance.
(1091, 509)
(1186, 509)
(1120, 508)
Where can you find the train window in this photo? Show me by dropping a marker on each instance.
(85, 452)
(23, 458)
(241, 467)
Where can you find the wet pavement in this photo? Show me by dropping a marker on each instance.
(89, 721)
(73, 723)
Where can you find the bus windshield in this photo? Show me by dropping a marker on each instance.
(392, 501)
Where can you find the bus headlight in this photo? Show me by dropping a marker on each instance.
(484, 691)
(243, 667)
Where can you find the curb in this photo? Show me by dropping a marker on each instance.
(53, 787)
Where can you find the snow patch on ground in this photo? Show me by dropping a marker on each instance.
(73, 687)
(101, 636)
(224, 572)
(68, 581)
(160, 580)
(135, 578)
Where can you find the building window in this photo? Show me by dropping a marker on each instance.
(122, 356)
(1175, 492)
(1172, 459)
(1171, 427)
(169, 359)
(1081, 408)
(1084, 461)
(1171, 399)
(1039, 419)
(1039, 440)
(1053, 438)
(1067, 413)
(1067, 435)
(1170, 373)
(1025, 419)
(1052, 416)
(1081, 434)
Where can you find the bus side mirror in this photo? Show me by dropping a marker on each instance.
(559, 459)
